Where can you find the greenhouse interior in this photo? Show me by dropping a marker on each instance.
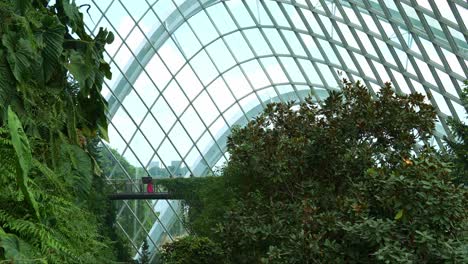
(233, 131)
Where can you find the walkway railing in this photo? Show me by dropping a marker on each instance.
(138, 189)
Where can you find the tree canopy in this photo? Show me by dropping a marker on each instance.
(351, 180)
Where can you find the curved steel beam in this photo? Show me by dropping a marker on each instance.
(192, 7)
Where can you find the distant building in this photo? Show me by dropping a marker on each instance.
(153, 164)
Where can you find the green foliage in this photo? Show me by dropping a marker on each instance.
(24, 158)
(145, 254)
(206, 197)
(340, 183)
(110, 161)
(50, 207)
(458, 147)
(192, 250)
(37, 55)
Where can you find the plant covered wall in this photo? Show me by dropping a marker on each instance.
(52, 197)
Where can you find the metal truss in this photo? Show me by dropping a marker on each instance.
(186, 71)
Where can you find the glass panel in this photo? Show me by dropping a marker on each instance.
(203, 28)
(218, 127)
(176, 98)
(164, 113)
(124, 123)
(205, 142)
(222, 19)
(260, 15)
(276, 41)
(364, 38)
(351, 15)
(116, 141)
(260, 45)
(156, 66)
(221, 55)
(431, 52)
(205, 108)
(329, 51)
(255, 74)
(221, 94)
(311, 47)
(142, 148)
(146, 89)
(149, 23)
(204, 68)
(189, 82)
(234, 115)
(364, 66)
(274, 70)
(240, 14)
(152, 131)
(348, 36)
(454, 63)
(401, 82)
(294, 43)
(170, 157)
(447, 83)
(163, 9)
(136, 11)
(310, 72)
(137, 107)
(182, 140)
(277, 14)
(346, 58)
(248, 104)
(426, 73)
(171, 55)
(187, 41)
(292, 69)
(238, 46)
(195, 126)
(268, 95)
(441, 105)
(294, 17)
(122, 57)
(236, 80)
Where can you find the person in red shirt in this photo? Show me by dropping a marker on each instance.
(149, 187)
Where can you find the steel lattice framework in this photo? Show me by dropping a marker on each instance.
(186, 71)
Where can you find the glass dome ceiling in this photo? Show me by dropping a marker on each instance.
(186, 71)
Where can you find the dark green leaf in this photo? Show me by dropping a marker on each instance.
(23, 153)
(53, 40)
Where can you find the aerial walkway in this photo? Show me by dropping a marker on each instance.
(138, 189)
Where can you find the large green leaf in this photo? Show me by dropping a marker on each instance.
(20, 141)
(75, 18)
(53, 38)
(77, 169)
(6, 80)
(80, 69)
(23, 152)
(22, 5)
(102, 128)
(6, 84)
(10, 244)
(20, 55)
